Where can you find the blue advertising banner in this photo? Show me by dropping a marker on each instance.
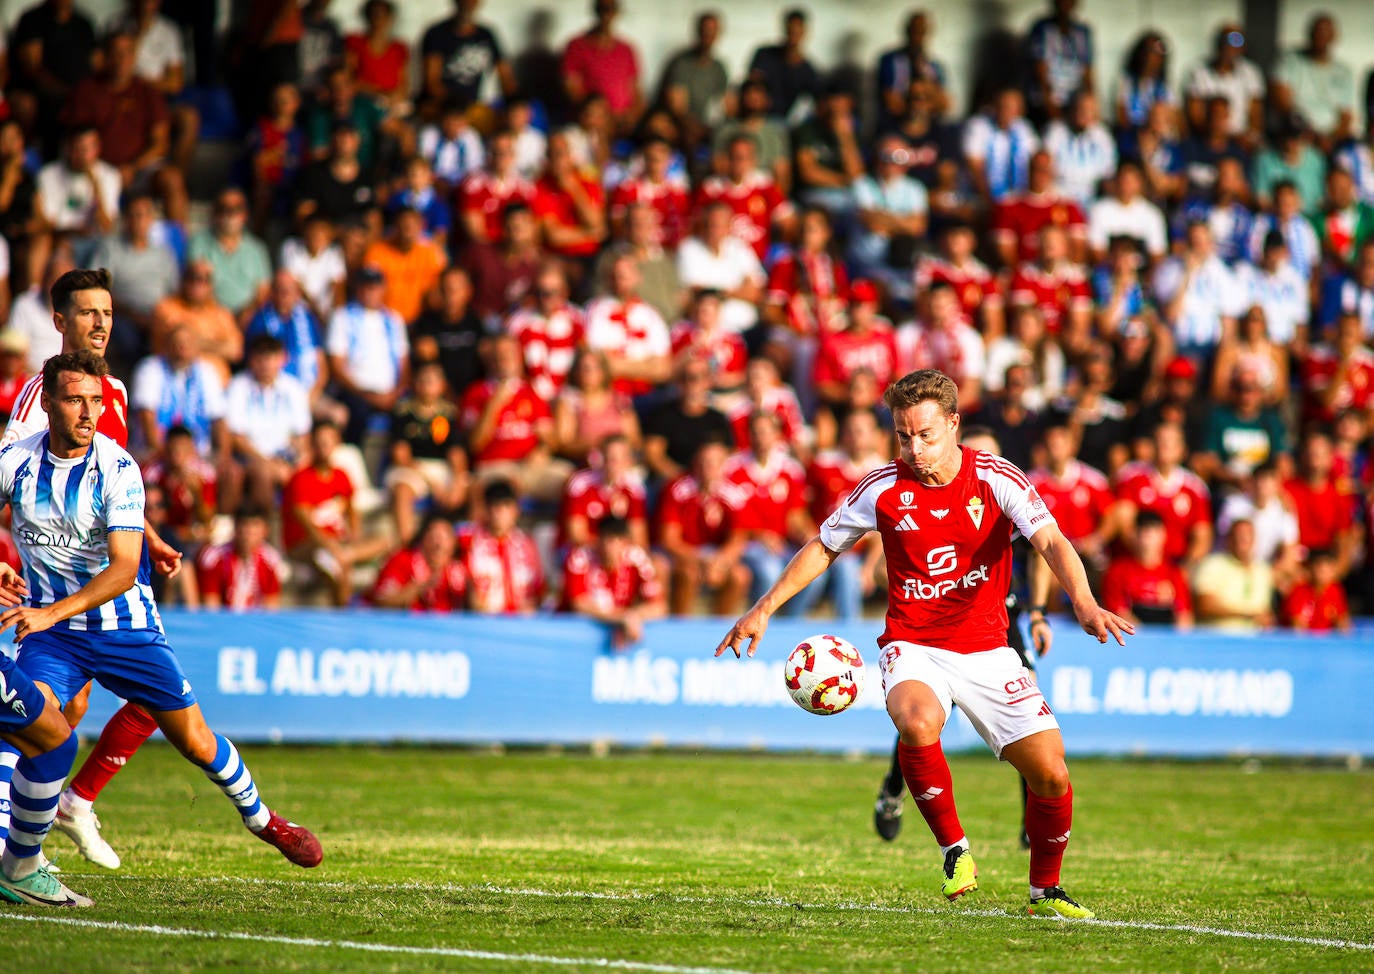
(383, 676)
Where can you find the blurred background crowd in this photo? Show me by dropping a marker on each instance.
(461, 330)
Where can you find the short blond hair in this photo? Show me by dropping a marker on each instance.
(923, 385)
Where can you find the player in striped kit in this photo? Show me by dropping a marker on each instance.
(77, 502)
(84, 315)
(946, 516)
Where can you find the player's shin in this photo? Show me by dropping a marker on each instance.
(33, 806)
(932, 787)
(122, 736)
(9, 757)
(1048, 821)
(227, 770)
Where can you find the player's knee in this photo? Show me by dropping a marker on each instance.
(917, 725)
(1051, 781)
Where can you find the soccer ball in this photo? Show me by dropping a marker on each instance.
(824, 674)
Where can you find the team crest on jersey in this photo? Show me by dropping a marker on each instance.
(907, 496)
(940, 515)
(975, 511)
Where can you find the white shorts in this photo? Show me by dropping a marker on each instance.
(993, 688)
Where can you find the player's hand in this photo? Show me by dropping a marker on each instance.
(166, 559)
(1098, 622)
(26, 621)
(751, 627)
(13, 588)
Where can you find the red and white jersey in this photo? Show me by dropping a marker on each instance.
(724, 350)
(441, 591)
(516, 433)
(779, 401)
(184, 500)
(481, 192)
(1181, 500)
(706, 516)
(1021, 216)
(772, 489)
(1318, 370)
(549, 344)
(633, 582)
(631, 330)
(756, 203)
(29, 418)
(668, 199)
(843, 353)
(1078, 500)
(589, 495)
(948, 547)
(974, 284)
(505, 573)
(814, 291)
(1055, 292)
(958, 351)
(240, 583)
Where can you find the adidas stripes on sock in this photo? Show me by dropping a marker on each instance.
(234, 779)
(1047, 824)
(122, 736)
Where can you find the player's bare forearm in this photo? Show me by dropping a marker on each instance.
(126, 550)
(806, 566)
(1068, 569)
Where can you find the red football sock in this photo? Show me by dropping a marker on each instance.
(1047, 824)
(927, 777)
(122, 736)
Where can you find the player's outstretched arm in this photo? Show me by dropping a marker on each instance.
(165, 558)
(806, 566)
(1068, 568)
(126, 551)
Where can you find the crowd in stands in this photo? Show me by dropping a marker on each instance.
(467, 332)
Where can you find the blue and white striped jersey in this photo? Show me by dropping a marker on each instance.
(63, 511)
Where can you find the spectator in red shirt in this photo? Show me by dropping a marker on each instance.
(427, 577)
(702, 337)
(775, 514)
(1318, 604)
(377, 59)
(570, 206)
(698, 526)
(765, 392)
(135, 129)
(1325, 515)
(1019, 217)
(510, 428)
(654, 186)
(1142, 586)
(189, 482)
(866, 342)
(1173, 492)
(320, 524)
(599, 63)
(244, 573)
(1079, 496)
(503, 275)
(1058, 287)
(1339, 374)
(504, 570)
(550, 330)
(611, 487)
(976, 287)
(614, 582)
(755, 202)
(485, 193)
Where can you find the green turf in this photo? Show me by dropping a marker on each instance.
(740, 862)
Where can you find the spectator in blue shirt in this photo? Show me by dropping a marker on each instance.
(1061, 61)
(287, 317)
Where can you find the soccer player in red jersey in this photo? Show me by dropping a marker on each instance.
(946, 515)
(83, 312)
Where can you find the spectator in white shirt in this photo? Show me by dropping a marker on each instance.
(268, 418)
(31, 313)
(1230, 75)
(998, 147)
(1315, 85)
(78, 195)
(892, 215)
(1287, 220)
(316, 260)
(1127, 213)
(717, 260)
(1280, 290)
(1200, 297)
(1084, 152)
(369, 354)
(180, 388)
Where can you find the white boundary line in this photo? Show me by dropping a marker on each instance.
(776, 902)
(160, 931)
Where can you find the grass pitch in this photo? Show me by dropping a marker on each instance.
(457, 860)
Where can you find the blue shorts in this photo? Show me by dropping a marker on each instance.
(20, 701)
(136, 664)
